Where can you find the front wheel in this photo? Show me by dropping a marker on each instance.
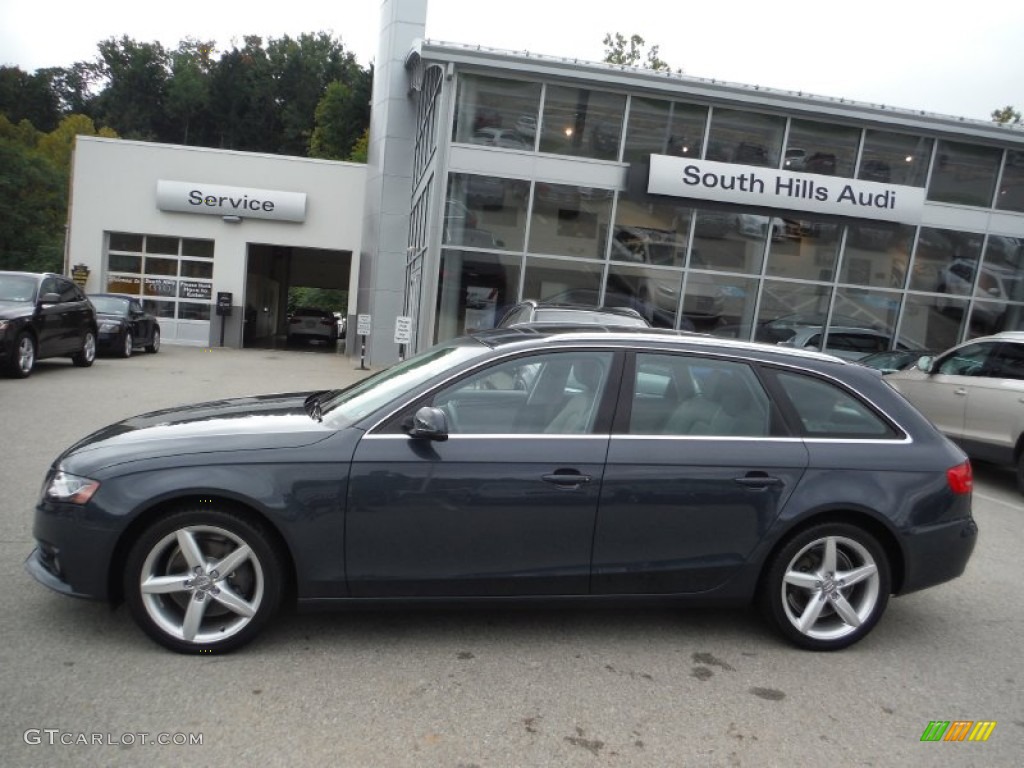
(23, 360)
(154, 346)
(129, 344)
(827, 587)
(84, 357)
(203, 580)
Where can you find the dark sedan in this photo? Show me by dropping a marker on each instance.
(43, 315)
(520, 463)
(125, 325)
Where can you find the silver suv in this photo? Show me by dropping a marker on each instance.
(975, 394)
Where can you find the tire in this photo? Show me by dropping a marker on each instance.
(190, 606)
(804, 597)
(1020, 472)
(23, 360)
(154, 346)
(85, 357)
(126, 347)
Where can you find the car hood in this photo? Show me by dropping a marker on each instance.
(12, 309)
(237, 424)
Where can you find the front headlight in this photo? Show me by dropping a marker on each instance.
(71, 489)
(107, 326)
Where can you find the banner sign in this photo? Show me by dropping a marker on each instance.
(246, 203)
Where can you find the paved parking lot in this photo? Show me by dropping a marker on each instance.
(484, 687)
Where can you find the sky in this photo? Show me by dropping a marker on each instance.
(950, 58)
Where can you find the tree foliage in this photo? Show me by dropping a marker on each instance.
(630, 52)
(1006, 116)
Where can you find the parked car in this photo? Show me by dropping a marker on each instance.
(531, 311)
(312, 324)
(124, 325)
(892, 360)
(973, 393)
(43, 315)
(845, 342)
(629, 462)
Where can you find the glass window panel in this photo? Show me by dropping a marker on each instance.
(945, 261)
(582, 122)
(154, 286)
(803, 248)
(787, 308)
(964, 174)
(926, 325)
(727, 241)
(570, 221)
(474, 291)
(654, 293)
(195, 289)
(197, 248)
(120, 284)
(1008, 362)
(561, 281)
(1011, 189)
(486, 212)
(156, 244)
(866, 309)
(120, 262)
(877, 254)
(120, 241)
(498, 104)
(188, 310)
(821, 148)
(161, 266)
(663, 128)
(1002, 277)
(895, 158)
(715, 301)
(747, 138)
(825, 410)
(159, 308)
(197, 269)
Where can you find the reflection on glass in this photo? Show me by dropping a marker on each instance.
(161, 266)
(485, 212)
(188, 310)
(790, 307)
(729, 242)
(1011, 189)
(1002, 268)
(711, 301)
(654, 293)
(486, 105)
(877, 253)
(474, 291)
(927, 325)
(562, 281)
(663, 128)
(964, 174)
(945, 261)
(156, 244)
(582, 122)
(159, 308)
(570, 221)
(121, 241)
(803, 248)
(821, 148)
(988, 317)
(895, 158)
(867, 309)
(747, 138)
(122, 262)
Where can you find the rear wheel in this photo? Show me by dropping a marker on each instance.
(84, 357)
(154, 346)
(827, 587)
(23, 360)
(203, 580)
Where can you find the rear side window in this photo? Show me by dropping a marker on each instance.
(1008, 362)
(827, 410)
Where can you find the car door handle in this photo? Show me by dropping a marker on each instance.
(567, 479)
(758, 480)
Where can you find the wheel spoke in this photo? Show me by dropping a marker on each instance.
(190, 549)
(162, 585)
(811, 613)
(828, 562)
(803, 580)
(231, 600)
(193, 618)
(845, 610)
(849, 578)
(232, 561)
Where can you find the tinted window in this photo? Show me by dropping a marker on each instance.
(826, 410)
(582, 122)
(968, 360)
(1008, 362)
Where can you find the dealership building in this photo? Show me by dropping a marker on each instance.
(497, 176)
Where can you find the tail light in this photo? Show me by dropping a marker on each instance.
(960, 478)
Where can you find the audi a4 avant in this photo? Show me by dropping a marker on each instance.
(520, 463)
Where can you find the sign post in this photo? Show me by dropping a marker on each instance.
(224, 302)
(403, 334)
(363, 329)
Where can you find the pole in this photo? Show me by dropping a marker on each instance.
(362, 352)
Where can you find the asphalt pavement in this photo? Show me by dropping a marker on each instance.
(487, 686)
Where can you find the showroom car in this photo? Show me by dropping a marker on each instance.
(43, 315)
(124, 325)
(312, 324)
(531, 311)
(973, 393)
(629, 463)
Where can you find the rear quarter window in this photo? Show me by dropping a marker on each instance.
(826, 410)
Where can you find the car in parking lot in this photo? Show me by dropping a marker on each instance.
(847, 343)
(531, 311)
(43, 315)
(124, 325)
(974, 394)
(635, 463)
(312, 324)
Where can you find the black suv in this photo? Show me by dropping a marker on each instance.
(43, 315)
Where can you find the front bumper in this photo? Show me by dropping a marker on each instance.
(108, 341)
(72, 556)
(937, 553)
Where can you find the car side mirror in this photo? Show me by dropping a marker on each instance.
(50, 298)
(924, 363)
(429, 423)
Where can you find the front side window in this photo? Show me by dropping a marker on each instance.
(826, 410)
(1008, 361)
(969, 360)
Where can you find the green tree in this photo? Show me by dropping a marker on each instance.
(1006, 116)
(242, 108)
(361, 151)
(342, 116)
(188, 88)
(58, 145)
(28, 97)
(630, 52)
(134, 78)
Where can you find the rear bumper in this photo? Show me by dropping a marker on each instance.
(939, 553)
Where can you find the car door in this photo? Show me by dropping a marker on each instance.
(140, 322)
(50, 320)
(994, 414)
(695, 475)
(942, 394)
(506, 504)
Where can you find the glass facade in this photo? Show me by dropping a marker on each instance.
(765, 274)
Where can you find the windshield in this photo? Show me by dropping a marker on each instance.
(109, 305)
(345, 408)
(17, 288)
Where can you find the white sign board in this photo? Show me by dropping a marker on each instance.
(363, 325)
(771, 188)
(403, 329)
(216, 200)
